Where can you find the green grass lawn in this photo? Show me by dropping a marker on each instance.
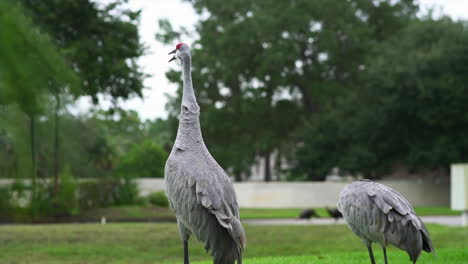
(150, 243)
(422, 211)
(135, 213)
(132, 213)
(445, 256)
(264, 213)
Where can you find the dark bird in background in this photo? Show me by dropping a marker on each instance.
(308, 213)
(334, 213)
(199, 191)
(379, 214)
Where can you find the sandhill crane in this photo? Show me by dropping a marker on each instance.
(379, 214)
(199, 191)
(334, 213)
(308, 213)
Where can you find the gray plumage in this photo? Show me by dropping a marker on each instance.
(379, 214)
(199, 191)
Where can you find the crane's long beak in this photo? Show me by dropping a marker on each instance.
(172, 52)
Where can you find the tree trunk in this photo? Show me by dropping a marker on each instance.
(56, 146)
(267, 168)
(32, 133)
(307, 101)
(303, 85)
(237, 176)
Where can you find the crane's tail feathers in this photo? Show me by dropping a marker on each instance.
(238, 234)
(411, 240)
(235, 229)
(417, 240)
(427, 243)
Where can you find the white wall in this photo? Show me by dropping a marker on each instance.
(311, 194)
(149, 185)
(316, 194)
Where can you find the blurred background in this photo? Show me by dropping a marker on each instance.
(306, 94)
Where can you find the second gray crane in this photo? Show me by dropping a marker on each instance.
(199, 191)
(379, 214)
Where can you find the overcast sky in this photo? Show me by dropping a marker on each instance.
(180, 13)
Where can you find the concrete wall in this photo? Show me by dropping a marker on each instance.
(316, 194)
(149, 185)
(311, 194)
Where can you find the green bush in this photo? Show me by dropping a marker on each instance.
(47, 203)
(145, 160)
(158, 199)
(127, 193)
(107, 192)
(96, 193)
(142, 201)
(13, 202)
(5, 203)
(66, 201)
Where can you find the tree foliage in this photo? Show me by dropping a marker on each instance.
(262, 68)
(47, 58)
(411, 109)
(145, 160)
(29, 61)
(100, 42)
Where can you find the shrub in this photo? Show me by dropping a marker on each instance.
(66, 201)
(14, 201)
(145, 160)
(96, 193)
(63, 203)
(142, 201)
(5, 203)
(127, 193)
(158, 199)
(107, 192)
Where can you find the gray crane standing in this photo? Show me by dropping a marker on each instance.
(199, 191)
(379, 214)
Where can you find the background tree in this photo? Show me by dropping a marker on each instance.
(145, 160)
(29, 64)
(101, 43)
(411, 109)
(259, 64)
(159, 131)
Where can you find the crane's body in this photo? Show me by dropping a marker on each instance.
(199, 191)
(334, 213)
(379, 214)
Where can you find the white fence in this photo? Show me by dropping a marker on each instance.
(316, 194)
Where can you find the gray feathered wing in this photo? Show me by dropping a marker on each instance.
(215, 193)
(403, 228)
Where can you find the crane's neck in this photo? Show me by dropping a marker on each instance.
(189, 133)
(188, 94)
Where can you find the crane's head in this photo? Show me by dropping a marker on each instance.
(180, 48)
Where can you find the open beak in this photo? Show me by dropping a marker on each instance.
(172, 52)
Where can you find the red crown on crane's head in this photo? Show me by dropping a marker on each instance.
(180, 45)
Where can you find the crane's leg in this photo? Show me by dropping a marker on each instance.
(184, 235)
(186, 257)
(371, 255)
(385, 254)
